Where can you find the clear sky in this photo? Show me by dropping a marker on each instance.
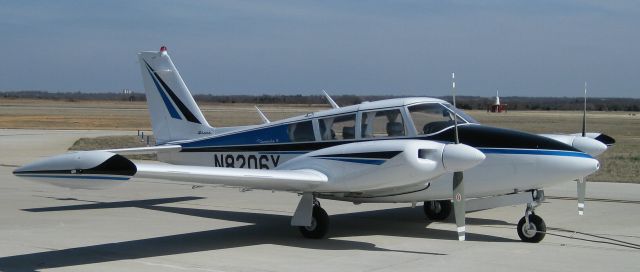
(524, 48)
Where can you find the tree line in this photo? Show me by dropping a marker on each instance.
(464, 102)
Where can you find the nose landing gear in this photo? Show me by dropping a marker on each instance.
(531, 228)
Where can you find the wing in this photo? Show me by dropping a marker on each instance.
(301, 180)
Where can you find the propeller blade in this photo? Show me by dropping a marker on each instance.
(582, 182)
(458, 204)
(458, 177)
(582, 191)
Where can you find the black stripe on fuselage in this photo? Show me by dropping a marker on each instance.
(364, 155)
(185, 111)
(478, 136)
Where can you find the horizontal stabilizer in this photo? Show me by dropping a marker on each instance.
(80, 170)
(100, 169)
(145, 150)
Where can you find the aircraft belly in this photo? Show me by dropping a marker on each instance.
(497, 174)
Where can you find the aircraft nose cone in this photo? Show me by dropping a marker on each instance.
(590, 146)
(460, 157)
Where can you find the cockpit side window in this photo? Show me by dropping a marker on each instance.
(338, 127)
(385, 123)
(431, 118)
(301, 132)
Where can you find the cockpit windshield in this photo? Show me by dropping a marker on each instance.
(430, 118)
(462, 114)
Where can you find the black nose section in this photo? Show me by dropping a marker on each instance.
(480, 136)
(606, 139)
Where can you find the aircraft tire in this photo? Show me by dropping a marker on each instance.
(319, 225)
(534, 235)
(437, 209)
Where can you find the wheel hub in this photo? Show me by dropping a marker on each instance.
(313, 225)
(529, 230)
(436, 207)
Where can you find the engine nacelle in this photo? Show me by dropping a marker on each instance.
(80, 170)
(374, 165)
(589, 145)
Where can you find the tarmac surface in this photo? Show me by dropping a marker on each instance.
(164, 226)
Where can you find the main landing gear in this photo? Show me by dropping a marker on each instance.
(310, 218)
(437, 209)
(319, 223)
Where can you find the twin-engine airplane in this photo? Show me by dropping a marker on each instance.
(398, 150)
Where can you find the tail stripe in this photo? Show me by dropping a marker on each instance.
(172, 110)
(185, 111)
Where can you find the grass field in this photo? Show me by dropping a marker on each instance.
(619, 164)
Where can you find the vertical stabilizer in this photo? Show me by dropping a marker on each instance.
(174, 113)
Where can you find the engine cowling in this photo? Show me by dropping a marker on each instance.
(587, 144)
(375, 165)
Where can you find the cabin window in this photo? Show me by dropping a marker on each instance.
(338, 127)
(301, 132)
(431, 118)
(386, 123)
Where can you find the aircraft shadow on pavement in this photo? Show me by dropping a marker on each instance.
(263, 229)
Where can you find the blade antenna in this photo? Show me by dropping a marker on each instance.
(264, 118)
(330, 100)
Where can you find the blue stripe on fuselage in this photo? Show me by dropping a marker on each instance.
(282, 152)
(534, 152)
(363, 161)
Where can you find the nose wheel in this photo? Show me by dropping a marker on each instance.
(532, 231)
(319, 223)
(531, 227)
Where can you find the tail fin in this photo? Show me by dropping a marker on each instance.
(174, 114)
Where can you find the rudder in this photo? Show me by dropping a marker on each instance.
(174, 113)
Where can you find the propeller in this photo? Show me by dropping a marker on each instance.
(582, 182)
(458, 177)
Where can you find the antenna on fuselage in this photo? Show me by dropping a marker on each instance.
(264, 118)
(330, 100)
(453, 95)
(584, 112)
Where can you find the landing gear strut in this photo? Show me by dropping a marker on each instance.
(531, 228)
(319, 223)
(437, 209)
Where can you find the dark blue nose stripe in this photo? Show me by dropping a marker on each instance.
(512, 151)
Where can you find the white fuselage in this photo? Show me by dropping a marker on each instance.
(497, 174)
